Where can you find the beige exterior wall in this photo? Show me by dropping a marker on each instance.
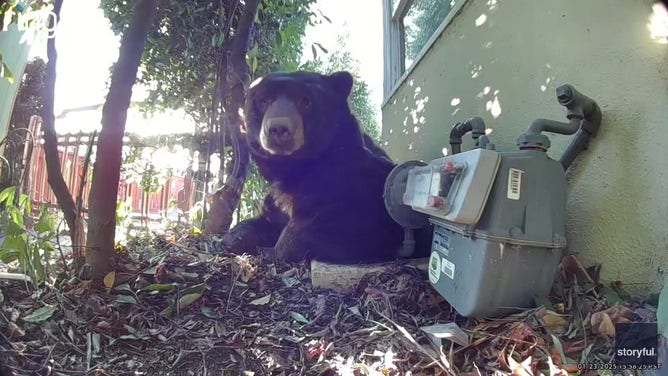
(502, 60)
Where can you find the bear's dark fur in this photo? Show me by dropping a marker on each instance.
(326, 175)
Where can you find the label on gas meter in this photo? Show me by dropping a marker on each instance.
(434, 267)
(514, 183)
(448, 268)
(441, 241)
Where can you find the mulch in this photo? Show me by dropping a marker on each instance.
(175, 309)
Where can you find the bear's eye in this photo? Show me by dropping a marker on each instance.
(304, 102)
(264, 103)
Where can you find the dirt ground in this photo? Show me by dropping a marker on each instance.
(177, 310)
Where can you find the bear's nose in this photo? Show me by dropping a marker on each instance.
(278, 130)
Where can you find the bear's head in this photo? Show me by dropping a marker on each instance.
(298, 114)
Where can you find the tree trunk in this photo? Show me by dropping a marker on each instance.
(106, 171)
(234, 80)
(54, 173)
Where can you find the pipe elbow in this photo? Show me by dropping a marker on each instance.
(546, 125)
(577, 104)
(458, 131)
(478, 126)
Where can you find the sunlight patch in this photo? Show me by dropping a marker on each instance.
(494, 107)
(255, 83)
(475, 72)
(658, 23)
(481, 20)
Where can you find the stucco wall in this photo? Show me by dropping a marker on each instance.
(502, 60)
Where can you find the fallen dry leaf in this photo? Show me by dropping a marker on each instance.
(247, 271)
(521, 332)
(602, 324)
(261, 301)
(520, 369)
(557, 324)
(620, 312)
(15, 332)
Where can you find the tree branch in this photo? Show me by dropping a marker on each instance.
(55, 176)
(234, 80)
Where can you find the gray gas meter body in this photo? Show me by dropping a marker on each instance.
(507, 247)
(499, 218)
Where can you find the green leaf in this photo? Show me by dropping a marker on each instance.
(560, 347)
(208, 312)
(196, 289)
(321, 47)
(315, 52)
(24, 202)
(299, 317)
(290, 281)
(129, 336)
(41, 314)
(15, 214)
(12, 248)
(7, 195)
(5, 72)
(187, 300)
(611, 296)
(167, 311)
(123, 287)
(44, 223)
(544, 301)
(126, 299)
(150, 271)
(261, 301)
(38, 266)
(47, 247)
(158, 287)
(9, 255)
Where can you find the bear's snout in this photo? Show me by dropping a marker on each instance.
(282, 129)
(279, 129)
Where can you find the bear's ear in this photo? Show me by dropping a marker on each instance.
(342, 82)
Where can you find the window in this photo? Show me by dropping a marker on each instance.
(410, 27)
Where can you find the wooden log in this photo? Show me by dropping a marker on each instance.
(344, 277)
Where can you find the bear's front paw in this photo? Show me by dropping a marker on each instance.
(291, 247)
(240, 239)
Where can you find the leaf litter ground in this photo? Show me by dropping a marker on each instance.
(175, 309)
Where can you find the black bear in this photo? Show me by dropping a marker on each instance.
(326, 175)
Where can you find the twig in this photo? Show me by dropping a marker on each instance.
(15, 277)
(60, 247)
(89, 351)
(229, 296)
(205, 372)
(442, 363)
(84, 172)
(48, 356)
